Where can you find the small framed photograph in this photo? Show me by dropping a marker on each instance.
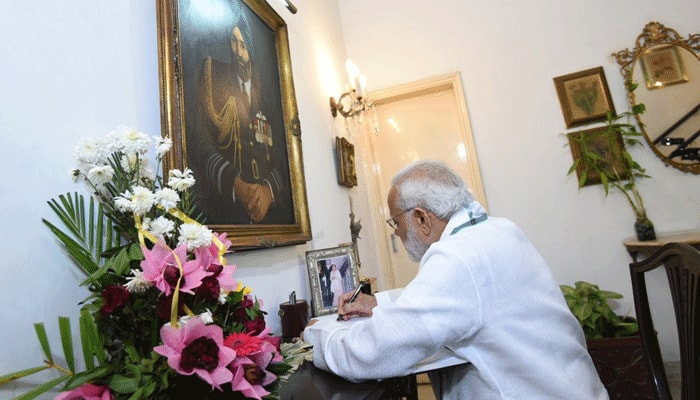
(662, 66)
(345, 153)
(596, 140)
(584, 97)
(332, 272)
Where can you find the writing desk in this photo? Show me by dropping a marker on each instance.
(648, 247)
(309, 382)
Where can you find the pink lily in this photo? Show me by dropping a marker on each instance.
(199, 349)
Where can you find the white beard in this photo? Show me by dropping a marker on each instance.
(414, 247)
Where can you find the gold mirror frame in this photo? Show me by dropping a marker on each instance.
(674, 133)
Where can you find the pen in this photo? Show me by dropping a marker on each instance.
(354, 296)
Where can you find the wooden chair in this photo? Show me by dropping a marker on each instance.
(682, 264)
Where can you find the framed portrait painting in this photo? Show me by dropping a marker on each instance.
(332, 272)
(662, 66)
(597, 143)
(228, 104)
(584, 97)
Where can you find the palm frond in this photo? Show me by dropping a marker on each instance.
(88, 232)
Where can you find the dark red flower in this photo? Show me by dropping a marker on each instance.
(202, 353)
(171, 275)
(165, 305)
(253, 374)
(116, 297)
(255, 326)
(209, 289)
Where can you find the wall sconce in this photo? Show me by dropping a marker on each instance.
(355, 100)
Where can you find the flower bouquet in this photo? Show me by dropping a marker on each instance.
(165, 318)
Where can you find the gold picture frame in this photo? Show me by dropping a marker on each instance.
(595, 140)
(328, 283)
(584, 97)
(662, 66)
(345, 154)
(246, 155)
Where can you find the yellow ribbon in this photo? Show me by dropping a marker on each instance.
(144, 234)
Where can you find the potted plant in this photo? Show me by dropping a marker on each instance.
(612, 340)
(590, 306)
(603, 155)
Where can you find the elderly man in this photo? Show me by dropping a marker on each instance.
(482, 291)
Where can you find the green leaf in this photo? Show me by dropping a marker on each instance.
(39, 390)
(91, 341)
(43, 340)
(82, 378)
(67, 342)
(88, 233)
(21, 374)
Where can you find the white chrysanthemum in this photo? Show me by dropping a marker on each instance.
(93, 151)
(100, 174)
(129, 162)
(194, 235)
(223, 295)
(163, 145)
(161, 227)
(142, 200)
(182, 320)
(167, 198)
(146, 173)
(136, 282)
(206, 316)
(128, 140)
(123, 202)
(181, 180)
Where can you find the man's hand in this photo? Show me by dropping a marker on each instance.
(260, 201)
(362, 306)
(256, 198)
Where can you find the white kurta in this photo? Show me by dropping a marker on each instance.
(487, 294)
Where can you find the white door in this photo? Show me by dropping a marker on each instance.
(416, 121)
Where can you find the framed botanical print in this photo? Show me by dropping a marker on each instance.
(662, 66)
(228, 104)
(596, 142)
(584, 97)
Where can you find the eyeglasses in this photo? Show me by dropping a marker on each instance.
(392, 221)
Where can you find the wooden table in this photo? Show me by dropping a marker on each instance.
(647, 247)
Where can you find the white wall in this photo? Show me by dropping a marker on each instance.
(80, 68)
(507, 53)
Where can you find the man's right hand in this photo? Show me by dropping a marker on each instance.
(362, 306)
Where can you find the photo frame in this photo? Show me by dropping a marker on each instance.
(332, 272)
(662, 66)
(242, 142)
(584, 97)
(596, 140)
(345, 154)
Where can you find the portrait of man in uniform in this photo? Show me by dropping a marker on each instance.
(235, 134)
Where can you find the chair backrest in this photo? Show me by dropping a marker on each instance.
(682, 264)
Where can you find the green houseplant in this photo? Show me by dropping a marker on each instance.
(601, 156)
(613, 341)
(590, 306)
